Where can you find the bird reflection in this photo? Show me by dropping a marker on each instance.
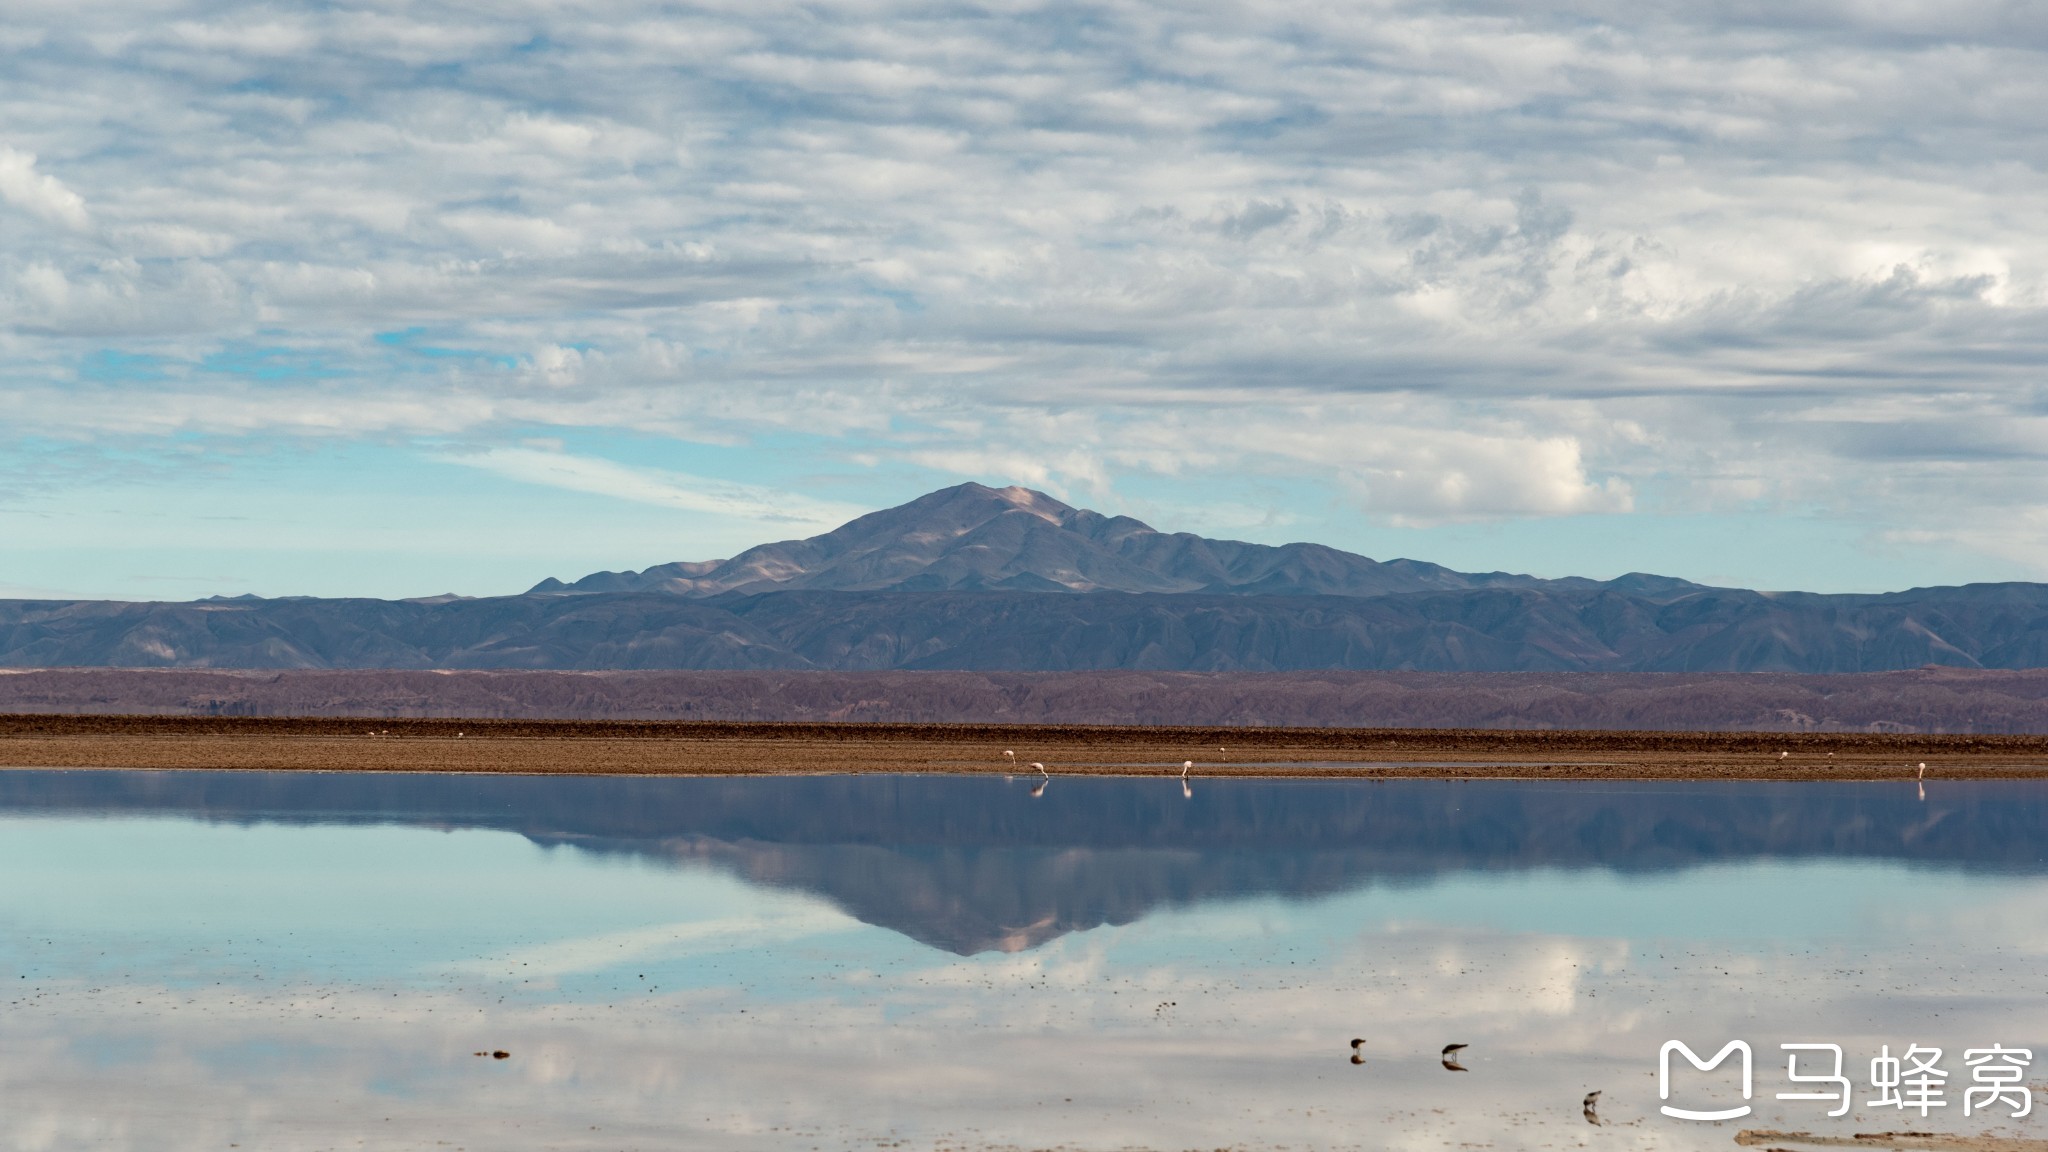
(1591, 1107)
(1451, 1058)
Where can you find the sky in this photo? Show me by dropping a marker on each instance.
(396, 299)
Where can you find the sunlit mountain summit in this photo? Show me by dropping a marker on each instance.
(975, 538)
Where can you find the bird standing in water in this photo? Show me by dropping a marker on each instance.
(1451, 1057)
(1591, 1107)
(1357, 1057)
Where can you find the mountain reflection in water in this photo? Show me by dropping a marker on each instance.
(971, 864)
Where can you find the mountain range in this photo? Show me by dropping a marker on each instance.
(978, 864)
(972, 538)
(985, 579)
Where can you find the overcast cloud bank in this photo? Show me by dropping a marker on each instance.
(1443, 262)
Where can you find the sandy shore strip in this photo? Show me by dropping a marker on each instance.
(630, 748)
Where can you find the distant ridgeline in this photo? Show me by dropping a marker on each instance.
(982, 579)
(973, 864)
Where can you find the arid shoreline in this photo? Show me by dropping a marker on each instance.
(665, 748)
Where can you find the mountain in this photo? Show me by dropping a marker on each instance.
(1473, 630)
(974, 538)
(982, 579)
(974, 864)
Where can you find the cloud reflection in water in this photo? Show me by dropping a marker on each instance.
(1194, 984)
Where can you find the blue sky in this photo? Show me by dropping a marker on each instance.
(397, 299)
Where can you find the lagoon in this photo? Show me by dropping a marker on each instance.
(300, 960)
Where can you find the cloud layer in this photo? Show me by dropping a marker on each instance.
(1446, 261)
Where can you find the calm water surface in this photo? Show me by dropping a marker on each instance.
(271, 961)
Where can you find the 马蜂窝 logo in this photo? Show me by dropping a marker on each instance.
(1693, 1058)
(1914, 1080)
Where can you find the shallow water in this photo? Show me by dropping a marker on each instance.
(205, 960)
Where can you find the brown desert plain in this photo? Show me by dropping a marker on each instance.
(712, 748)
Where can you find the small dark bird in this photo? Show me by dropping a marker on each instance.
(1591, 1107)
(1357, 1057)
(1451, 1058)
(501, 1054)
(1450, 1048)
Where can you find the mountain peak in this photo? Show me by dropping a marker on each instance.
(967, 506)
(971, 537)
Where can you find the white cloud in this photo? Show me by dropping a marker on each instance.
(659, 487)
(38, 193)
(1395, 249)
(784, 922)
